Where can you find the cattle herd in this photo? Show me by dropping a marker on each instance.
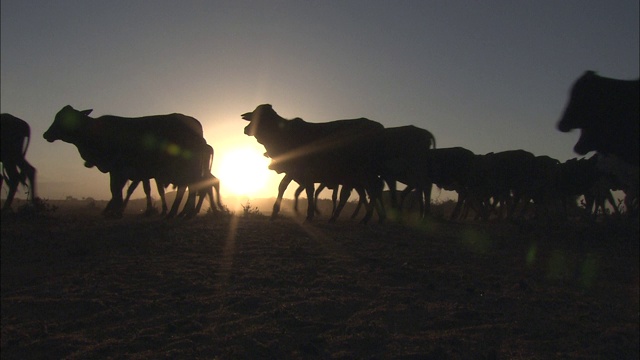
(357, 154)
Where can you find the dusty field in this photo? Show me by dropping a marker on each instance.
(77, 286)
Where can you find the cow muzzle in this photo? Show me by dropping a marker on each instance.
(49, 136)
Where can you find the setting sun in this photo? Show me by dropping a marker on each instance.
(243, 171)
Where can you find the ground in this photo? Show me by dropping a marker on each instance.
(77, 286)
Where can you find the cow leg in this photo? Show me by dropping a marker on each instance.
(376, 200)
(203, 192)
(29, 172)
(374, 188)
(334, 199)
(115, 208)
(284, 183)
(361, 201)
(345, 192)
(316, 195)
(12, 180)
(299, 190)
(311, 203)
(369, 205)
(132, 187)
(420, 193)
(212, 203)
(456, 211)
(609, 197)
(176, 203)
(160, 187)
(216, 187)
(392, 184)
(146, 185)
(207, 191)
(189, 210)
(426, 191)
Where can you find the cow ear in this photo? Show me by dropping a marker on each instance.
(86, 112)
(589, 73)
(247, 116)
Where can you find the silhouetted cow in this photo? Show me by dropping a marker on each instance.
(16, 135)
(450, 169)
(168, 148)
(402, 149)
(607, 112)
(501, 176)
(336, 152)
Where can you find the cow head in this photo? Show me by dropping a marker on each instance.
(262, 119)
(584, 112)
(264, 123)
(67, 125)
(576, 114)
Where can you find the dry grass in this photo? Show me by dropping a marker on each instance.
(77, 286)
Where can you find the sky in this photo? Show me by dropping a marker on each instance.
(485, 75)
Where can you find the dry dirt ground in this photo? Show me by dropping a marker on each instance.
(77, 286)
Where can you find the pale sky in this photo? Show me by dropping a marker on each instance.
(485, 75)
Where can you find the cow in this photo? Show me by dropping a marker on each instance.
(542, 188)
(449, 169)
(16, 135)
(596, 197)
(401, 150)
(335, 152)
(607, 112)
(202, 188)
(168, 148)
(502, 177)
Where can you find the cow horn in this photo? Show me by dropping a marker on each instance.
(247, 116)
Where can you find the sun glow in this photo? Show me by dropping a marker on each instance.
(243, 171)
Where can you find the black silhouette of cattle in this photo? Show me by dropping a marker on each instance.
(204, 187)
(582, 177)
(335, 152)
(450, 169)
(607, 112)
(401, 151)
(499, 181)
(168, 148)
(16, 135)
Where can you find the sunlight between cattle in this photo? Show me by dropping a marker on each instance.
(243, 171)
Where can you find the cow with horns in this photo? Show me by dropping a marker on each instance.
(169, 148)
(335, 152)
